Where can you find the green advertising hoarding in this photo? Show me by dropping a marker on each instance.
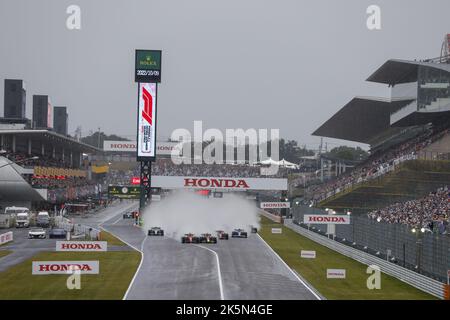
(124, 192)
(148, 66)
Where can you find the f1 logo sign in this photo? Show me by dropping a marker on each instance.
(148, 105)
(146, 120)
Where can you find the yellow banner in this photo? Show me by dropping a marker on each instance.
(100, 169)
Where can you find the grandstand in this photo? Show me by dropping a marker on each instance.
(398, 198)
(408, 136)
(50, 163)
(40, 167)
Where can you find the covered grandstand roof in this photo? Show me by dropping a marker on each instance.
(13, 186)
(361, 120)
(46, 134)
(396, 71)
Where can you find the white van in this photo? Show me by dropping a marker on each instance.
(22, 220)
(13, 211)
(43, 219)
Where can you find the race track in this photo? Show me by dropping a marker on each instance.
(234, 269)
(231, 269)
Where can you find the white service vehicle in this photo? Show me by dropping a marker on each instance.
(43, 219)
(13, 211)
(37, 233)
(22, 220)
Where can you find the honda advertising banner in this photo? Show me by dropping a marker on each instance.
(308, 254)
(6, 237)
(325, 219)
(146, 137)
(119, 146)
(235, 184)
(81, 246)
(162, 148)
(275, 205)
(65, 267)
(335, 273)
(168, 148)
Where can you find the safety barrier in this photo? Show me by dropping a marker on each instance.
(270, 216)
(77, 229)
(412, 278)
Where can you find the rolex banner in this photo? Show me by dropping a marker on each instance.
(124, 192)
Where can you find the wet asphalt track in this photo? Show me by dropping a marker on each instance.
(172, 270)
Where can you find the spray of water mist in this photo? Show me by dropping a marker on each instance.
(184, 212)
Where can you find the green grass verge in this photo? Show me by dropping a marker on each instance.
(112, 240)
(5, 244)
(289, 244)
(116, 271)
(4, 253)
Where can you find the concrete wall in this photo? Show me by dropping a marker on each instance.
(440, 146)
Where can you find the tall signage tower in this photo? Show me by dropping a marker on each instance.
(147, 74)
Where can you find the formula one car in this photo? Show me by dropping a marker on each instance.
(239, 233)
(156, 231)
(222, 235)
(37, 233)
(254, 229)
(207, 238)
(128, 215)
(189, 238)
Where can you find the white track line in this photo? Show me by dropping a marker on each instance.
(139, 250)
(121, 218)
(218, 270)
(289, 268)
(137, 270)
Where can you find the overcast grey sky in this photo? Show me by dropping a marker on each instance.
(233, 64)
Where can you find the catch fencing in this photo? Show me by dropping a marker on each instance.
(77, 230)
(426, 284)
(425, 253)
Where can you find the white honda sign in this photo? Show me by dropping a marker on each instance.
(162, 148)
(308, 254)
(335, 273)
(119, 146)
(6, 237)
(65, 267)
(238, 184)
(168, 148)
(81, 246)
(277, 230)
(275, 205)
(326, 219)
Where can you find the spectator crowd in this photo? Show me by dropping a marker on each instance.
(27, 161)
(430, 212)
(377, 164)
(166, 167)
